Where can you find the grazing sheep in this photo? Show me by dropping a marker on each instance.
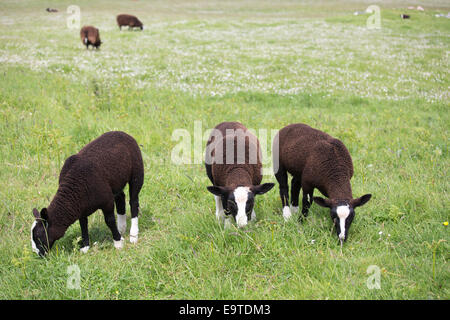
(233, 164)
(130, 21)
(90, 36)
(93, 179)
(316, 160)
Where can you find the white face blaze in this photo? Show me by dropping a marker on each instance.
(342, 212)
(241, 197)
(33, 244)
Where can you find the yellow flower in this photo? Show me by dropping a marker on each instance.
(445, 223)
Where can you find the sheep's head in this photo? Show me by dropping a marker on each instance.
(239, 201)
(41, 241)
(342, 212)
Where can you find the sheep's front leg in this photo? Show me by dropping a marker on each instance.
(282, 179)
(119, 199)
(110, 221)
(84, 234)
(307, 200)
(295, 192)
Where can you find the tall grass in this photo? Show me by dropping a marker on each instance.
(383, 93)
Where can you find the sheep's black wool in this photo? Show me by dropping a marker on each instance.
(92, 179)
(90, 36)
(315, 160)
(130, 21)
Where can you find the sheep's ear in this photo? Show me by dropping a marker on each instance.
(361, 201)
(216, 190)
(262, 188)
(322, 202)
(36, 213)
(44, 214)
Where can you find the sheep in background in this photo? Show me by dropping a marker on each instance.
(129, 20)
(90, 36)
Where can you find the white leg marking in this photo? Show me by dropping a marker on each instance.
(294, 210)
(84, 249)
(122, 223)
(134, 230)
(286, 213)
(253, 216)
(119, 244)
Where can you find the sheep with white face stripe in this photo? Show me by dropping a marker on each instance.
(92, 179)
(233, 164)
(316, 160)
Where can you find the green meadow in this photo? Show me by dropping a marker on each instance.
(383, 91)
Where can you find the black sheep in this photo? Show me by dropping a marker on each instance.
(233, 164)
(130, 21)
(90, 36)
(93, 179)
(316, 160)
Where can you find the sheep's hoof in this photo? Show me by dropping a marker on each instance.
(84, 249)
(286, 213)
(133, 239)
(119, 244)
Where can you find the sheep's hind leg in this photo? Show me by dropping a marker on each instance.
(135, 188)
(84, 234)
(307, 201)
(295, 192)
(282, 179)
(119, 199)
(110, 221)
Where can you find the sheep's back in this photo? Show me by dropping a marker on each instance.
(295, 144)
(250, 160)
(301, 146)
(115, 156)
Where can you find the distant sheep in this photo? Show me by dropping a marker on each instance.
(90, 36)
(93, 179)
(233, 164)
(130, 21)
(316, 160)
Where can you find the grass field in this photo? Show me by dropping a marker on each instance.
(383, 92)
